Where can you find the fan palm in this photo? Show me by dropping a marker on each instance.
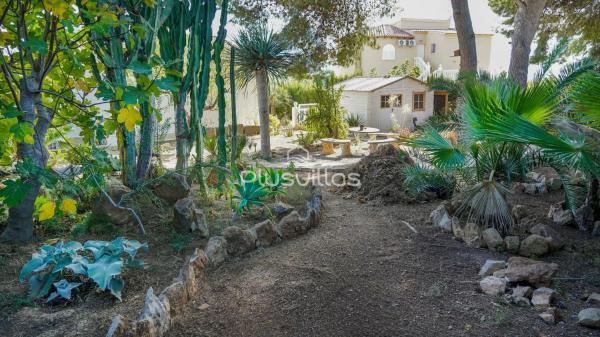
(503, 123)
(261, 56)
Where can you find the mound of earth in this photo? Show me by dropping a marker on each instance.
(381, 175)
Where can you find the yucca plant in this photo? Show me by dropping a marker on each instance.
(261, 56)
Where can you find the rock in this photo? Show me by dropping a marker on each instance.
(440, 218)
(550, 316)
(493, 239)
(188, 217)
(589, 317)
(171, 187)
(155, 318)
(492, 285)
(266, 233)
(522, 291)
(457, 230)
(596, 229)
(542, 298)
(555, 243)
(593, 299)
(533, 188)
(490, 266)
(281, 209)
(239, 241)
(204, 306)
(561, 216)
(292, 225)
(216, 250)
(521, 269)
(472, 235)
(553, 184)
(512, 243)
(534, 245)
(534, 176)
(519, 212)
(103, 207)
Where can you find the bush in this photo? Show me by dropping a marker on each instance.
(306, 139)
(59, 269)
(327, 119)
(274, 124)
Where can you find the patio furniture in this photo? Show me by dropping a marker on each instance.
(364, 131)
(328, 144)
(374, 144)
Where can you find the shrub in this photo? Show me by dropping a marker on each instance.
(306, 139)
(274, 124)
(58, 269)
(327, 119)
(353, 120)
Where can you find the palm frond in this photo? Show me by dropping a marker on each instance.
(551, 58)
(585, 94)
(443, 154)
(485, 204)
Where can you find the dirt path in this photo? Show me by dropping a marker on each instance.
(361, 273)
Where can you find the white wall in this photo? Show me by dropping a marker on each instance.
(381, 117)
(356, 103)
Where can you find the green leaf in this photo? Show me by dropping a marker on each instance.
(35, 45)
(140, 68)
(64, 288)
(168, 83)
(13, 192)
(23, 132)
(104, 269)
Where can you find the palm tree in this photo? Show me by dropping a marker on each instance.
(262, 56)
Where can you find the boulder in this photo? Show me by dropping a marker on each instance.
(550, 316)
(519, 212)
(534, 245)
(472, 235)
(512, 244)
(492, 285)
(553, 184)
(457, 230)
(542, 298)
(280, 209)
(292, 225)
(266, 233)
(493, 239)
(560, 215)
(440, 218)
(590, 318)
(520, 301)
(522, 291)
(239, 241)
(490, 266)
(155, 319)
(103, 207)
(593, 299)
(216, 250)
(555, 243)
(522, 269)
(189, 218)
(171, 187)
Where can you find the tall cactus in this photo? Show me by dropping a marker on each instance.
(234, 140)
(218, 49)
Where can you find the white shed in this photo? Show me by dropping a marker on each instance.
(386, 102)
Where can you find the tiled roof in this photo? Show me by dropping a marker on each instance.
(390, 31)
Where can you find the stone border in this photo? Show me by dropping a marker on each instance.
(160, 311)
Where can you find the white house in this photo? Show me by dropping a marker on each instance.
(388, 102)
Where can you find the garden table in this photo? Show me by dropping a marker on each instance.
(364, 131)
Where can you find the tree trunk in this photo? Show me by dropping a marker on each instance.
(262, 89)
(526, 23)
(146, 142)
(20, 217)
(466, 36)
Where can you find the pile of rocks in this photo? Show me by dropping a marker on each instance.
(236, 241)
(524, 282)
(538, 240)
(539, 181)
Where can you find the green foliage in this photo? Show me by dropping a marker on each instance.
(259, 48)
(353, 120)
(274, 124)
(306, 139)
(327, 119)
(58, 269)
(419, 179)
(250, 192)
(405, 69)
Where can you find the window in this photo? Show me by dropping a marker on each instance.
(391, 101)
(433, 48)
(418, 101)
(388, 52)
(457, 53)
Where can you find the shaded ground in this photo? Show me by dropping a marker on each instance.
(364, 273)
